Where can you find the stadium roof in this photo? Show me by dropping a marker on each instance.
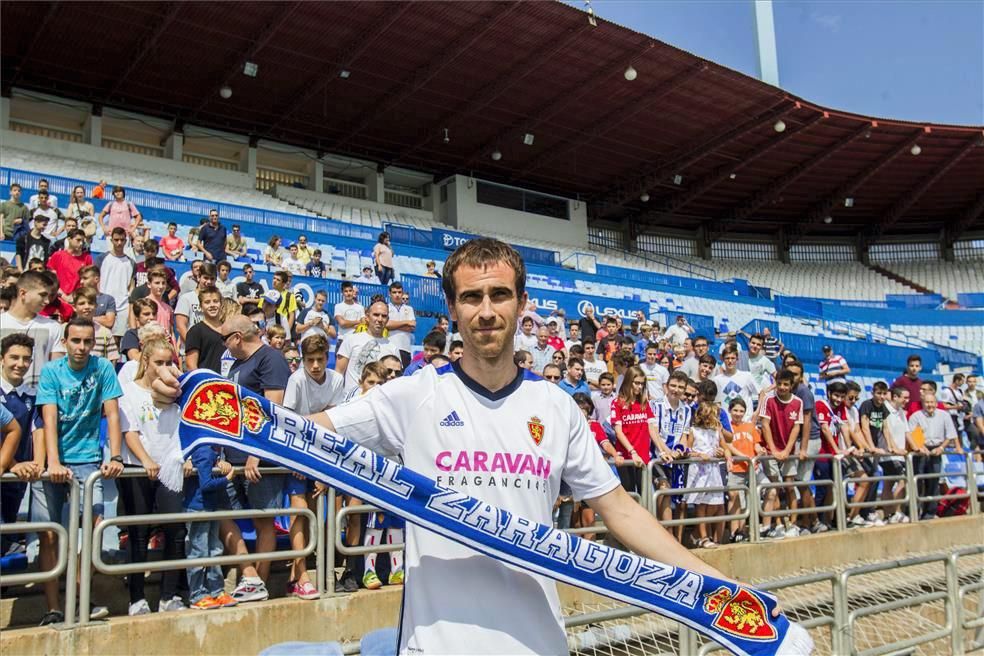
(439, 86)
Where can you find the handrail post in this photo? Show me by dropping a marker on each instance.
(646, 500)
(972, 499)
(913, 485)
(953, 606)
(319, 556)
(753, 502)
(71, 572)
(840, 495)
(328, 530)
(85, 557)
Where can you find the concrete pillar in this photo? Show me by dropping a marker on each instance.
(703, 247)
(247, 161)
(92, 130)
(427, 203)
(782, 240)
(174, 146)
(4, 113)
(375, 189)
(316, 175)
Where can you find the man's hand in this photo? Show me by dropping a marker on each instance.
(619, 460)
(319, 489)
(166, 388)
(112, 469)
(224, 468)
(252, 470)
(59, 473)
(27, 471)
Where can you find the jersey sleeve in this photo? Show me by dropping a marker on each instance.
(766, 408)
(376, 420)
(292, 395)
(799, 412)
(184, 306)
(109, 384)
(585, 471)
(616, 414)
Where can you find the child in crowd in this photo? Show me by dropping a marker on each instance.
(673, 418)
(707, 441)
(316, 268)
(635, 429)
(746, 444)
(205, 492)
(276, 336)
(84, 302)
(584, 513)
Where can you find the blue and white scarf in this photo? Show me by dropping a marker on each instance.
(216, 411)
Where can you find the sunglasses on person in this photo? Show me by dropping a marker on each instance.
(294, 359)
(394, 372)
(226, 337)
(690, 397)
(551, 376)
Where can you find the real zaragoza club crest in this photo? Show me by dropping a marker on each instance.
(216, 404)
(741, 614)
(536, 428)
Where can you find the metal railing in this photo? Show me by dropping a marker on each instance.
(326, 550)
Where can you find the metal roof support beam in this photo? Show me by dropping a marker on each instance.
(683, 198)
(489, 94)
(40, 30)
(257, 43)
(426, 73)
(363, 41)
(953, 231)
(557, 105)
(818, 211)
(148, 43)
(903, 204)
(774, 188)
(600, 127)
(632, 189)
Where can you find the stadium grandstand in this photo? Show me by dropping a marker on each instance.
(272, 191)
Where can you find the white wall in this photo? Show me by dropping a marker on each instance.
(466, 213)
(98, 154)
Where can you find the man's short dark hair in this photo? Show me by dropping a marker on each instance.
(574, 361)
(117, 231)
(931, 384)
(208, 270)
(707, 358)
(699, 338)
(283, 276)
(396, 285)
(785, 376)
(15, 185)
(914, 358)
(879, 386)
(435, 339)
(898, 392)
(577, 350)
(852, 386)
(347, 284)
(607, 376)
(32, 280)
(735, 402)
(758, 336)
(837, 387)
(223, 263)
(588, 340)
(479, 253)
(456, 343)
(78, 322)
(77, 232)
(525, 319)
(16, 339)
(520, 357)
(680, 376)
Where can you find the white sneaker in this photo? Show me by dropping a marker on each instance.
(903, 518)
(877, 521)
(793, 531)
(139, 608)
(895, 518)
(777, 533)
(172, 605)
(857, 522)
(250, 589)
(820, 527)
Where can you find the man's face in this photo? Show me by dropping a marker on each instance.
(611, 326)
(224, 272)
(89, 279)
(880, 396)
(700, 347)
(443, 325)
(279, 283)
(43, 201)
(84, 308)
(71, 224)
(971, 383)
(302, 242)
(314, 365)
(35, 298)
(15, 194)
(575, 372)
(904, 398)
(396, 296)
(293, 250)
(690, 396)
(348, 294)
(652, 356)
(924, 390)
(784, 388)
(527, 326)
(40, 224)
(557, 358)
(248, 273)
(213, 218)
(319, 301)
(704, 370)
(378, 316)
(551, 373)
(929, 404)
(675, 389)
(393, 368)
(688, 345)
(680, 321)
(837, 398)
(486, 307)
(118, 195)
(119, 242)
(211, 305)
(196, 269)
(16, 362)
(205, 281)
(78, 344)
(754, 346)
(797, 374)
(455, 354)
(542, 335)
(574, 331)
(75, 244)
(146, 316)
(730, 361)
(589, 351)
(156, 286)
(913, 368)
(430, 352)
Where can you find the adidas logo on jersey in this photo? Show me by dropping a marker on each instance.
(452, 420)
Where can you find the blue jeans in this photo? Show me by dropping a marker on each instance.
(49, 500)
(203, 541)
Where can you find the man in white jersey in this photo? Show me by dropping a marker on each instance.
(484, 426)
(349, 313)
(402, 322)
(733, 383)
(763, 369)
(116, 271)
(656, 374)
(359, 349)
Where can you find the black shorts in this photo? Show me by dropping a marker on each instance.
(892, 467)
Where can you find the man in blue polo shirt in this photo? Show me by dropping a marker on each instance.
(212, 238)
(18, 420)
(574, 382)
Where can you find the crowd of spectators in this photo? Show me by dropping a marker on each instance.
(83, 338)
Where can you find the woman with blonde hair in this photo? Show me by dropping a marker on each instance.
(636, 430)
(150, 431)
(273, 254)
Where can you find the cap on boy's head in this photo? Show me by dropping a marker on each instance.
(272, 296)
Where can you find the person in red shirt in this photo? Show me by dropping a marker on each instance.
(910, 379)
(926, 388)
(635, 429)
(172, 245)
(66, 263)
(555, 340)
(782, 426)
(56, 309)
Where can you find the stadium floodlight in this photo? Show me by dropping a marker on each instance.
(848, 202)
(915, 150)
(780, 126)
(644, 197)
(733, 176)
(496, 154)
(828, 219)
(344, 74)
(226, 92)
(251, 69)
(677, 179)
(528, 139)
(631, 73)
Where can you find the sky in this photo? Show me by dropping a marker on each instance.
(918, 60)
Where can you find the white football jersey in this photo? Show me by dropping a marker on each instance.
(510, 448)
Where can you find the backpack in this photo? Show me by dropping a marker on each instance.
(953, 507)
